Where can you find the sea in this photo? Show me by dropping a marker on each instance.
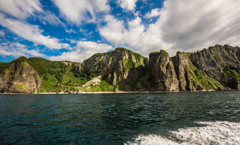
(185, 118)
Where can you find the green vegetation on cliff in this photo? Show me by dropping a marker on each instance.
(232, 73)
(158, 53)
(3, 66)
(198, 78)
(130, 64)
(56, 76)
(137, 56)
(21, 87)
(44, 67)
(69, 81)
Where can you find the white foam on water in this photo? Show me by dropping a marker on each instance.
(214, 133)
(151, 140)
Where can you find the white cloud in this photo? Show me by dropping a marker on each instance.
(200, 23)
(83, 50)
(51, 18)
(20, 8)
(76, 11)
(44, 23)
(24, 8)
(17, 49)
(31, 33)
(2, 33)
(85, 32)
(127, 4)
(83, 39)
(182, 26)
(136, 36)
(70, 56)
(70, 31)
(153, 13)
(101, 5)
(113, 31)
(72, 41)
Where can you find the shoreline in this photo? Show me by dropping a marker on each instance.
(119, 92)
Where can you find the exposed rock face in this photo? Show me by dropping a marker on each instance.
(192, 78)
(122, 68)
(216, 68)
(69, 63)
(214, 60)
(20, 78)
(180, 63)
(162, 73)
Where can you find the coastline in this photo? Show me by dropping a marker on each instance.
(118, 92)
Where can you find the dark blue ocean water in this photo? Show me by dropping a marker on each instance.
(118, 118)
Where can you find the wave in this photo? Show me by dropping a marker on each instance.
(219, 132)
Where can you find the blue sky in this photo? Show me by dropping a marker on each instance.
(74, 30)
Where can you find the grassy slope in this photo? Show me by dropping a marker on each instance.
(57, 76)
(102, 87)
(69, 81)
(202, 80)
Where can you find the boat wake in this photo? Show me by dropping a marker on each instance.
(211, 133)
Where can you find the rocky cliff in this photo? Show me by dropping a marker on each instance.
(161, 72)
(215, 68)
(220, 63)
(122, 68)
(192, 78)
(19, 77)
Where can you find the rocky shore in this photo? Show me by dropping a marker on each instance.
(119, 92)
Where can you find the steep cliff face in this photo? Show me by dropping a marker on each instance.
(122, 68)
(20, 77)
(192, 78)
(161, 72)
(180, 63)
(220, 63)
(216, 68)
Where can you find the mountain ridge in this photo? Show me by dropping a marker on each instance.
(215, 68)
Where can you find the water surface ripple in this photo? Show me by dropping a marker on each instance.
(176, 118)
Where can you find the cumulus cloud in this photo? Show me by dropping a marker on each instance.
(183, 25)
(17, 49)
(101, 5)
(136, 36)
(127, 4)
(83, 50)
(200, 23)
(31, 33)
(113, 30)
(154, 13)
(86, 10)
(20, 8)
